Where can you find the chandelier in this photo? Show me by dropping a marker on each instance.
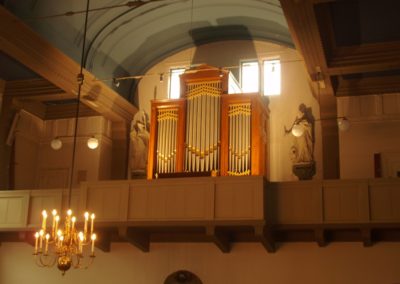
(64, 245)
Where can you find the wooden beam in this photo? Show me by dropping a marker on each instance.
(320, 237)
(139, 239)
(220, 239)
(21, 43)
(365, 58)
(368, 86)
(323, 1)
(303, 27)
(7, 113)
(103, 241)
(32, 88)
(366, 236)
(68, 111)
(120, 150)
(264, 234)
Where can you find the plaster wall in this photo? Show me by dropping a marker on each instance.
(301, 263)
(283, 109)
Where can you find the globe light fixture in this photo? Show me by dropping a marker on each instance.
(297, 130)
(92, 143)
(343, 124)
(56, 143)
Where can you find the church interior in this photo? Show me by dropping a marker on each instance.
(214, 141)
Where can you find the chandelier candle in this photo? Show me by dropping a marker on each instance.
(64, 245)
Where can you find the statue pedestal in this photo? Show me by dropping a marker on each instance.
(304, 171)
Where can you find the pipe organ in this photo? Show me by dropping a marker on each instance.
(166, 135)
(202, 145)
(207, 131)
(239, 139)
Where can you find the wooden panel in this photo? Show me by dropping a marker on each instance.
(390, 164)
(188, 199)
(204, 73)
(296, 202)
(53, 178)
(391, 103)
(238, 198)
(385, 200)
(13, 209)
(108, 200)
(345, 201)
(43, 200)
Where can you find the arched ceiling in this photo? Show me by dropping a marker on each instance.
(129, 39)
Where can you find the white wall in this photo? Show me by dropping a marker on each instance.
(300, 263)
(295, 90)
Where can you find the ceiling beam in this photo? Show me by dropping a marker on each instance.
(368, 86)
(365, 58)
(220, 239)
(31, 88)
(20, 42)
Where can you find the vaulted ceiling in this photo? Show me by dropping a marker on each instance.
(126, 38)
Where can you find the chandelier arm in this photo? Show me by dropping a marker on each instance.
(91, 260)
(41, 260)
(38, 262)
(76, 263)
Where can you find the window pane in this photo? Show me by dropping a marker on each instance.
(250, 80)
(272, 77)
(233, 85)
(174, 83)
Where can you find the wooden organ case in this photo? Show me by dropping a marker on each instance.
(207, 131)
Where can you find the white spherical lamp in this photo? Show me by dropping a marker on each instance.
(93, 143)
(297, 130)
(343, 124)
(56, 143)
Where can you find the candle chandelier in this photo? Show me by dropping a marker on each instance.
(63, 244)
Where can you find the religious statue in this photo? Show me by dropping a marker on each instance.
(139, 143)
(302, 151)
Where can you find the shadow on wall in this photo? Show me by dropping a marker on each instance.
(204, 35)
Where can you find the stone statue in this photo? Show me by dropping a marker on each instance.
(302, 151)
(139, 144)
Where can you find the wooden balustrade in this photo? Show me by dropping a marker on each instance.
(248, 208)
